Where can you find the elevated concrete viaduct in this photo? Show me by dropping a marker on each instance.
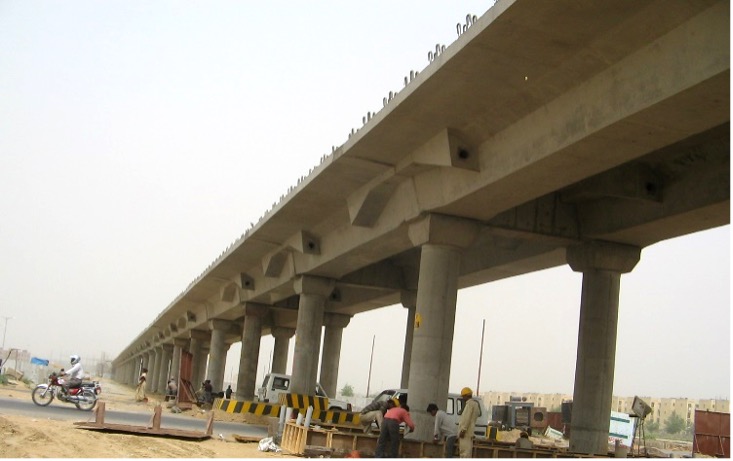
(548, 133)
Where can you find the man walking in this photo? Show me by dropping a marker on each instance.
(140, 390)
(445, 427)
(467, 423)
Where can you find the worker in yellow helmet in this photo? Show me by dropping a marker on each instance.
(467, 423)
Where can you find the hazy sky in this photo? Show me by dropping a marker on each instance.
(138, 139)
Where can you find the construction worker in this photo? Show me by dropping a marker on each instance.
(388, 444)
(373, 413)
(445, 429)
(467, 423)
(523, 441)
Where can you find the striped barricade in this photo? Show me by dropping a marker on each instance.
(241, 406)
(337, 417)
(302, 402)
(321, 412)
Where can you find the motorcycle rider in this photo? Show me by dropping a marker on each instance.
(75, 373)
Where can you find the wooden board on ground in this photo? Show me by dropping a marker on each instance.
(311, 451)
(246, 439)
(153, 429)
(160, 432)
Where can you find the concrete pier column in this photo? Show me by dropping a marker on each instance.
(137, 367)
(199, 350)
(442, 240)
(409, 300)
(218, 353)
(179, 344)
(282, 344)
(164, 368)
(334, 329)
(205, 348)
(432, 344)
(131, 369)
(602, 264)
(147, 360)
(154, 369)
(255, 316)
(313, 293)
(222, 372)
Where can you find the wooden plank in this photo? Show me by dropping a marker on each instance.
(348, 428)
(246, 439)
(155, 419)
(210, 424)
(153, 429)
(99, 412)
(161, 432)
(311, 451)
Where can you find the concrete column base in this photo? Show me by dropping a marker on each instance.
(432, 345)
(254, 318)
(164, 368)
(602, 264)
(280, 352)
(334, 329)
(313, 293)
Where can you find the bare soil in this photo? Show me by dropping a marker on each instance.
(29, 437)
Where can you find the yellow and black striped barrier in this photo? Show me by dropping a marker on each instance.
(321, 410)
(240, 406)
(299, 403)
(337, 417)
(302, 401)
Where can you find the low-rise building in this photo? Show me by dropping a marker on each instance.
(662, 408)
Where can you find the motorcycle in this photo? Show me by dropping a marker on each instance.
(93, 386)
(84, 398)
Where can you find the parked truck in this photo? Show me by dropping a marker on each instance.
(275, 384)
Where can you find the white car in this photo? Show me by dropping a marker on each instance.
(275, 384)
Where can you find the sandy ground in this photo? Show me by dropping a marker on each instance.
(28, 437)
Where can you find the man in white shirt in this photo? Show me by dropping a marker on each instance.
(75, 373)
(445, 426)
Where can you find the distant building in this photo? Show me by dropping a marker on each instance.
(553, 402)
(15, 359)
(662, 408)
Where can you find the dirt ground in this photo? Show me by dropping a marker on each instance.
(28, 437)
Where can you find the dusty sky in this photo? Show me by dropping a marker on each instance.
(138, 139)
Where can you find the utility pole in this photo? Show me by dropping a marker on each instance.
(480, 356)
(371, 357)
(5, 330)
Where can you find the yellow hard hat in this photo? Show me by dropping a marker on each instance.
(466, 391)
(395, 401)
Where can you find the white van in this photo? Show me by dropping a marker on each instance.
(275, 384)
(453, 407)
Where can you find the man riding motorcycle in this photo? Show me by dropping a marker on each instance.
(75, 373)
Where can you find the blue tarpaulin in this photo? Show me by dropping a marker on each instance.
(37, 361)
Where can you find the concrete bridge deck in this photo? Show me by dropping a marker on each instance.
(544, 126)
(578, 122)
